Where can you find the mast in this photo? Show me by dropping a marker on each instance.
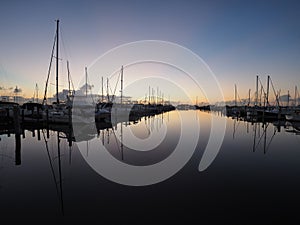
(57, 31)
(153, 101)
(235, 96)
(107, 91)
(256, 96)
(86, 88)
(288, 99)
(261, 90)
(102, 88)
(267, 97)
(122, 85)
(249, 97)
(69, 77)
(157, 95)
(37, 93)
(149, 95)
(295, 96)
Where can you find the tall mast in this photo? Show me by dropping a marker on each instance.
(107, 90)
(102, 88)
(256, 96)
(86, 88)
(122, 85)
(149, 95)
(157, 95)
(153, 101)
(267, 97)
(69, 77)
(37, 93)
(295, 96)
(235, 96)
(288, 99)
(249, 97)
(57, 32)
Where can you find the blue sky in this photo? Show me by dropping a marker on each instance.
(237, 39)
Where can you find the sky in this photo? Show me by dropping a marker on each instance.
(236, 39)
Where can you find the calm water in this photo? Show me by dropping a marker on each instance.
(254, 178)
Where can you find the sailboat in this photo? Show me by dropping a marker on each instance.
(268, 111)
(112, 110)
(83, 110)
(57, 112)
(294, 113)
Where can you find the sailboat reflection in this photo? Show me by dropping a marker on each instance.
(143, 141)
(262, 133)
(115, 136)
(263, 136)
(59, 188)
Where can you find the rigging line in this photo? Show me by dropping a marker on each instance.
(70, 75)
(235, 128)
(51, 165)
(271, 140)
(110, 90)
(265, 129)
(116, 140)
(71, 80)
(274, 92)
(65, 47)
(279, 98)
(262, 87)
(114, 92)
(88, 81)
(49, 69)
(262, 90)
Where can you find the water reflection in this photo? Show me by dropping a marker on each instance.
(117, 137)
(56, 137)
(263, 133)
(34, 147)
